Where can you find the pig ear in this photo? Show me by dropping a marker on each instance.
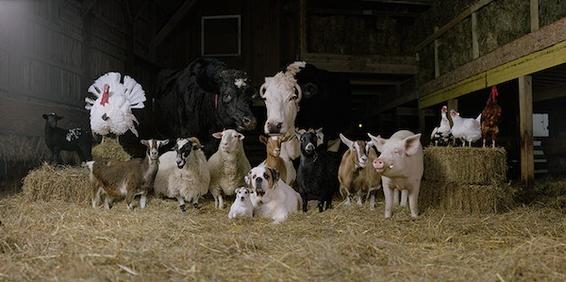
(346, 141)
(217, 135)
(377, 141)
(412, 144)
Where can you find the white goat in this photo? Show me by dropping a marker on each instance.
(227, 166)
(183, 173)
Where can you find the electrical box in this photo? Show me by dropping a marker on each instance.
(540, 125)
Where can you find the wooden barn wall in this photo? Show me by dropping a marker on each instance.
(498, 23)
(260, 37)
(41, 66)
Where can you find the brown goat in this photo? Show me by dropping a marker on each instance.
(118, 179)
(273, 148)
(356, 173)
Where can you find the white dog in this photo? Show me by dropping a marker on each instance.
(242, 206)
(275, 199)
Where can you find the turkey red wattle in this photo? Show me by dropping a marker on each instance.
(105, 95)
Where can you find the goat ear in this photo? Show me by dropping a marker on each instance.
(263, 139)
(162, 142)
(377, 141)
(346, 141)
(412, 144)
(145, 142)
(44, 116)
(217, 135)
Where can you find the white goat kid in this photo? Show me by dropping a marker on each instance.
(227, 166)
(282, 95)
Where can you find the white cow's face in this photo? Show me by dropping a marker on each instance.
(282, 95)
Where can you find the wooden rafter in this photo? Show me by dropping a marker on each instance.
(87, 7)
(172, 23)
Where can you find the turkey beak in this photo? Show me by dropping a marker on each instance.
(105, 117)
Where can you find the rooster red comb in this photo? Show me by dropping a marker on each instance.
(493, 95)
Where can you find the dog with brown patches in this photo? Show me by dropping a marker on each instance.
(356, 177)
(274, 160)
(125, 179)
(274, 198)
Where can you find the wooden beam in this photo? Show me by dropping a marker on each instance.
(400, 100)
(526, 131)
(87, 7)
(536, 51)
(172, 23)
(373, 82)
(475, 41)
(405, 2)
(363, 64)
(466, 13)
(534, 13)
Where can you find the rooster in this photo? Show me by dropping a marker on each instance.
(111, 111)
(490, 118)
(443, 134)
(465, 129)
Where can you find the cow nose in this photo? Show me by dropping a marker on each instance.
(378, 164)
(274, 127)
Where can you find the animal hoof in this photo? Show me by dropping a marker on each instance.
(195, 206)
(183, 209)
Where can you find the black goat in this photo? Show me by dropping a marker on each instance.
(318, 168)
(58, 139)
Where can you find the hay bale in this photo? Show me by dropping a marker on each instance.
(110, 149)
(474, 166)
(64, 183)
(465, 198)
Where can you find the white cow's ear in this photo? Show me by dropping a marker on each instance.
(377, 141)
(217, 135)
(346, 141)
(412, 144)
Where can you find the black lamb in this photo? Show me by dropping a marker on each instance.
(58, 139)
(318, 170)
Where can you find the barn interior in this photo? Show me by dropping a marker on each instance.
(403, 59)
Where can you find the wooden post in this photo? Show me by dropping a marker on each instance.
(534, 15)
(475, 44)
(86, 34)
(436, 62)
(526, 131)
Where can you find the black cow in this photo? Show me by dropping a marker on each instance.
(204, 98)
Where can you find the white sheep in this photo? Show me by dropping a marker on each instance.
(183, 173)
(227, 166)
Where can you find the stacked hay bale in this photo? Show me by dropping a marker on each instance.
(466, 180)
(64, 183)
(110, 149)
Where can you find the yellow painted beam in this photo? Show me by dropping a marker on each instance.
(537, 61)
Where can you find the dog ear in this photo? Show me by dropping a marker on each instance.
(274, 174)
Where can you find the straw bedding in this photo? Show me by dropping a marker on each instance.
(64, 241)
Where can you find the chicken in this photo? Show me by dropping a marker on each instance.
(443, 134)
(490, 118)
(465, 129)
(111, 111)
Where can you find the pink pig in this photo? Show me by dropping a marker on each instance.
(401, 167)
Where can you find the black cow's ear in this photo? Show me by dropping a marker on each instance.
(207, 73)
(44, 116)
(309, 90)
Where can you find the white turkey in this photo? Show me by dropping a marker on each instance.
(442, 135)
(111, 111)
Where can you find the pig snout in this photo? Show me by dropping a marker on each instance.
(379, 164)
